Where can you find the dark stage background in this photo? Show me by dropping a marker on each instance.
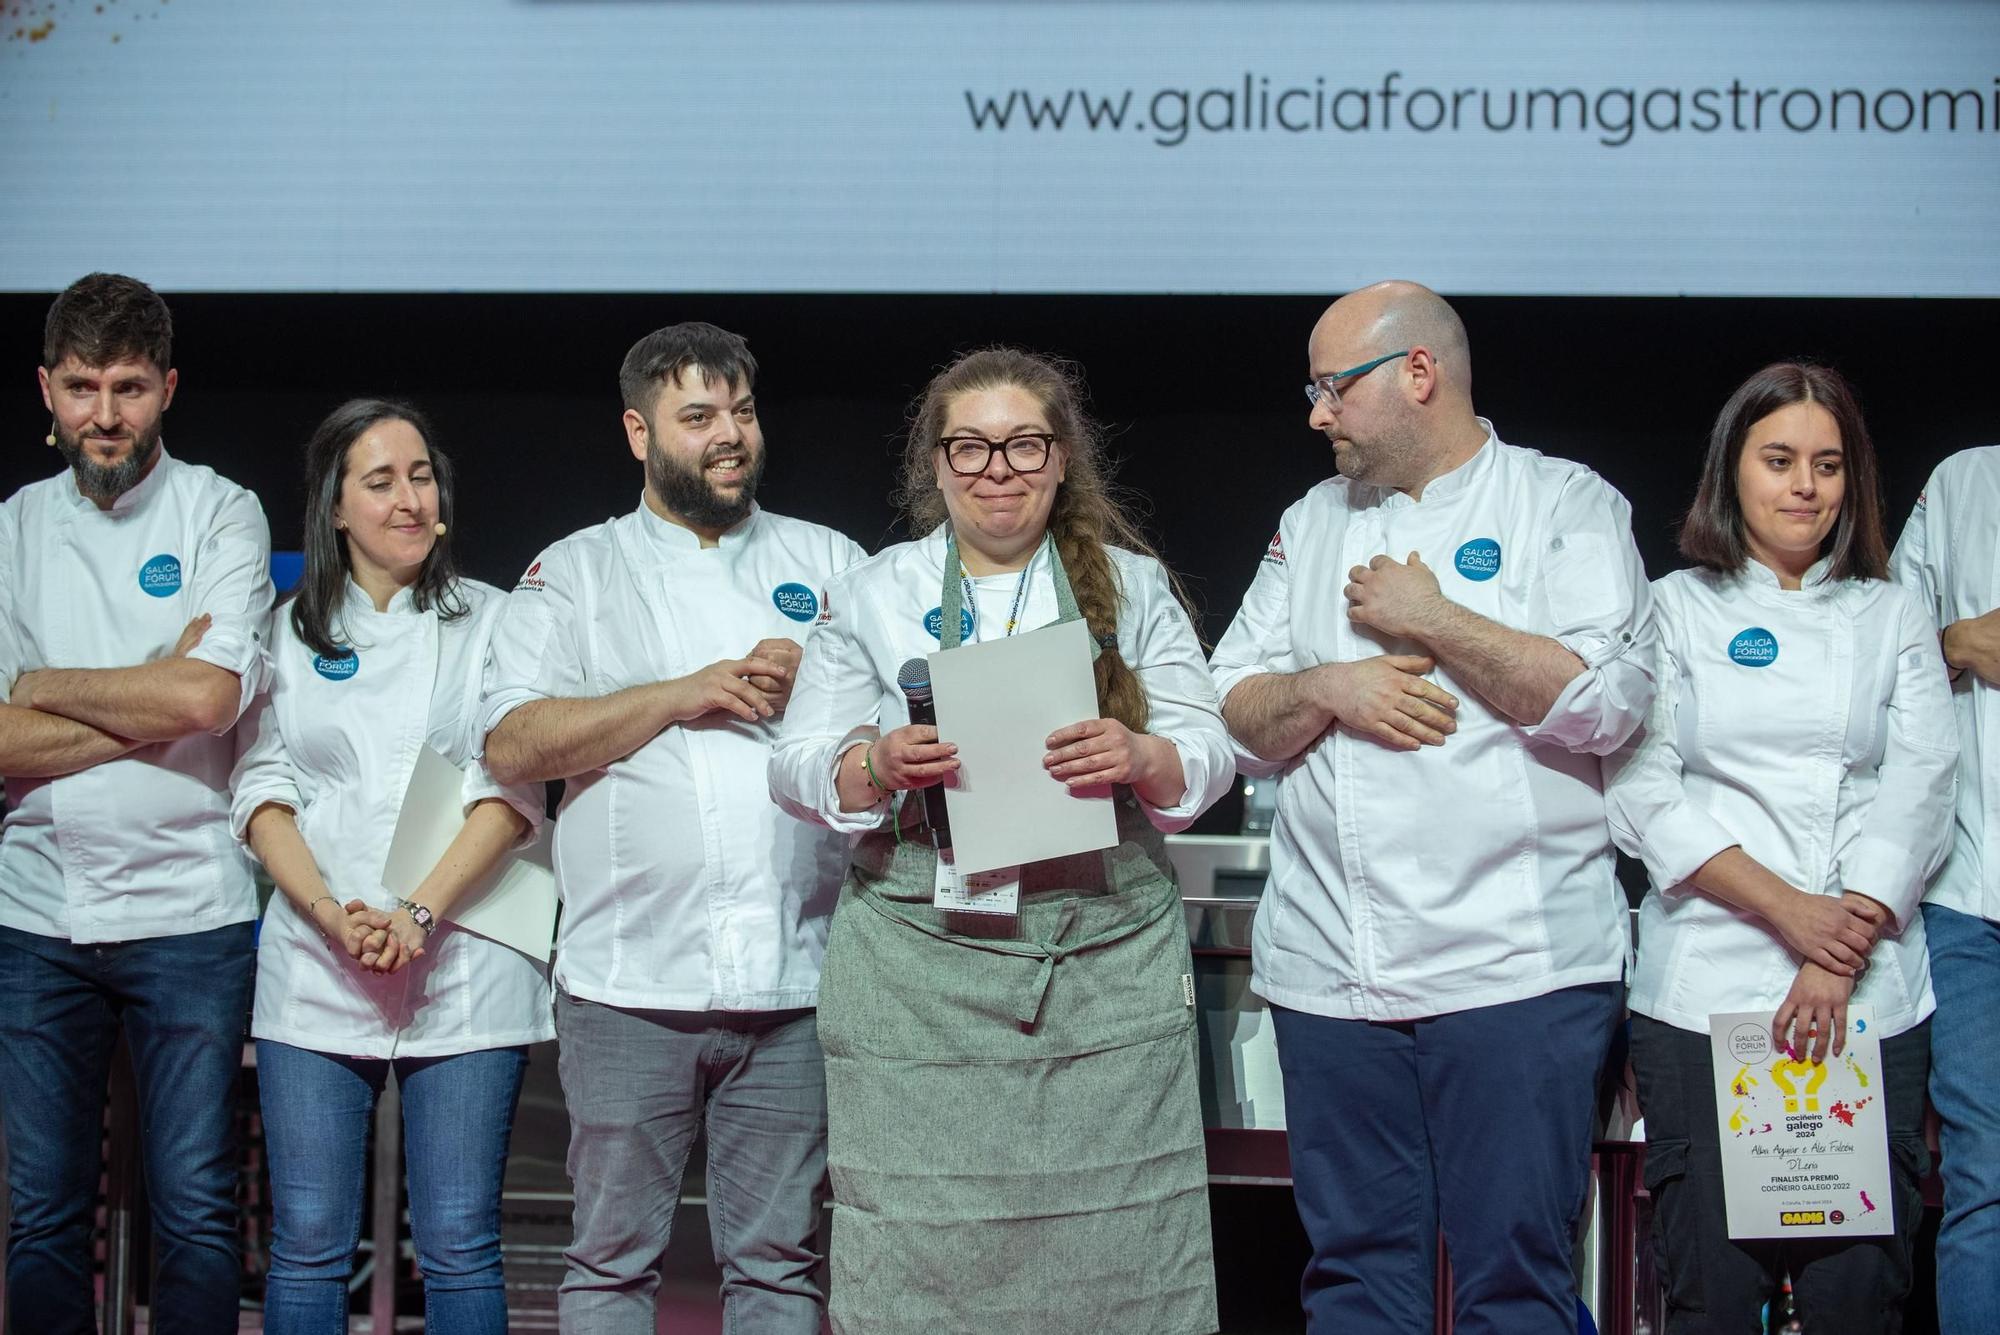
(1201, 395)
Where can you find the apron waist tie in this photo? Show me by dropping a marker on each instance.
(1028, 1004)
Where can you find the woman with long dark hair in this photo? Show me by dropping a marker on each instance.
(378, 656)
(1014, 1130)
(1789, 794)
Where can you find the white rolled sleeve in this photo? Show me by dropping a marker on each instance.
(1650, 814)
(1598, 606)
(263, 773)
(1908, 827)
(232, 584)
(1181, 700)
(1910, 565)
(836, 705)
(479, 785)
(1258, 641)
(536, 649)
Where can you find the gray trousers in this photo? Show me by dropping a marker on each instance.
(640, 1085)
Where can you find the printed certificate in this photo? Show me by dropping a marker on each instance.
(1805, 1148)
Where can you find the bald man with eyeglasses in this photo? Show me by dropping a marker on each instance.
(1438, 646)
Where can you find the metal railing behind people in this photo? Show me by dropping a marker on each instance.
(386, 1208)
(6, 1219)
(124, 1196)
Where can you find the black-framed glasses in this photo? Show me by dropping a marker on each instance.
(969, 456)
(1327, 386)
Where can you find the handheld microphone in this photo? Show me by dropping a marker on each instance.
(914, 679)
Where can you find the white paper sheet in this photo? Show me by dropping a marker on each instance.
(998, 702)
(1805, 1148)
(514, 904)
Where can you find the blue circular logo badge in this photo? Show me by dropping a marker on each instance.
(934, 623)
(1754, 647)
(161, 576)
(796, 601)
(337, 669)
(1478, 559)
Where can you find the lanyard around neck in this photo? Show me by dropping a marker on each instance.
(1013, 609)
(957, 592)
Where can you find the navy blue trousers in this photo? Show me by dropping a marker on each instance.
(1481, 1121)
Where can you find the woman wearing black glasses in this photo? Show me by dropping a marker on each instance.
(1014, 1093)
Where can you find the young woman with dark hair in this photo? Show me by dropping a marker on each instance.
(1716, 534)
(379, 656)
(1007, 1097)
(1789, 794)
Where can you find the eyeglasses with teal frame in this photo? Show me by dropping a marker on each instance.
(1325, 386)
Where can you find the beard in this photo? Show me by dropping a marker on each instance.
(107, 482)
(687, 492)
(1383, 459)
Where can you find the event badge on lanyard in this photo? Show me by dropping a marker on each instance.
(997, 891)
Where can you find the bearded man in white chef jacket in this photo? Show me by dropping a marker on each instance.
(1438, 646)
(130, 643)
(646, 661)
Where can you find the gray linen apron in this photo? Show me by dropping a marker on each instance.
(1014, 1128)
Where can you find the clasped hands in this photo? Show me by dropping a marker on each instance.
(1835, 934)
(754, 687)
(378, 942)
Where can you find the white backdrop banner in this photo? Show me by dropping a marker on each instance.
(1826, 147)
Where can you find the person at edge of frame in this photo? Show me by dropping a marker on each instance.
(1788, 794)
(131, 627)
(1949, 556)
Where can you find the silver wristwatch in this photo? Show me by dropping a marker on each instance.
(419, 915)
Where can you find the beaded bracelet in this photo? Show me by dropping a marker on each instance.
(314, 920)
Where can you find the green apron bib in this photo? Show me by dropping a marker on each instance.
(1014, 1126)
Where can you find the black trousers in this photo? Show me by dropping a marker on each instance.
(1716, 1284)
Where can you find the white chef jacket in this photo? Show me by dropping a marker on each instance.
(1949, 556)
(336, 740)
(886, 611)
(137, 847)
(683, 887)
(1410, 884)
(1813, 728)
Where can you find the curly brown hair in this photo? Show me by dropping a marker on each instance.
(1089, 515)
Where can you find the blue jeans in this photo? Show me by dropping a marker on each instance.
(1480, 1120)
(458, 1112)
(1965, 1089)
(640, 1084)
(183, 1002)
